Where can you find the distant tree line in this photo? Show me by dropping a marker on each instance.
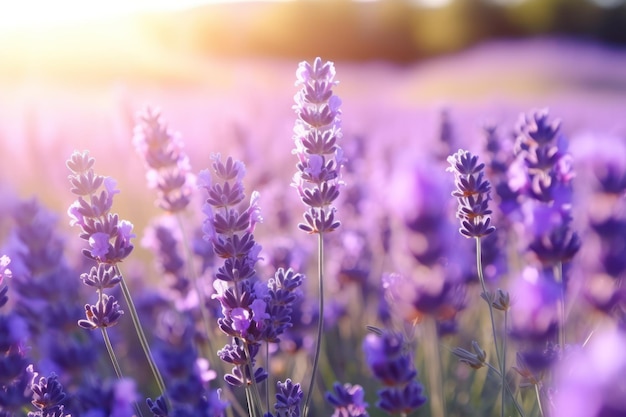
(387, 29)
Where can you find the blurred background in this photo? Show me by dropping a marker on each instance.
(394, 30)
(73, 74)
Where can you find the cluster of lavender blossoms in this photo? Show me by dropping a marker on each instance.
(472, 193)
(542, 175)
(169, 171)
(316, 131)
(252, 311)
(18, 380)
(108, 237)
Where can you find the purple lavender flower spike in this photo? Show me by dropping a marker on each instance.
(389, 360)
(168, 166)
(348, 400)
(473, 194)
(108, 236)
(316, 133)
(543, 173)
(283, 294)
(229, 227)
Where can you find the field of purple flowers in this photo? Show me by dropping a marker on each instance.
(447, 239)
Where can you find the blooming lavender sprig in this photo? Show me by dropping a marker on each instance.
(283, 294)
(389, 361)
(229, 226)
(108, 236)
(348, 400)
(316, 132)
(169, 171)
(473, 194)
(543, 174)
(99, 227)
(109, 242)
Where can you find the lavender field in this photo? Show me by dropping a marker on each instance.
(444, 238)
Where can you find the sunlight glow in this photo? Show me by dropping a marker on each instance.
(42, 14)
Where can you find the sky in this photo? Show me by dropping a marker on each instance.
(33, 14)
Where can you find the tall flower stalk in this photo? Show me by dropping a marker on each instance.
(109, 240)
(229, 226)
(473, 193)
(320, 158)
(169, 173)
(545, 175)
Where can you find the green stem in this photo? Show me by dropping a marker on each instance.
(116, 364)
(320, 325)
(503, 365)
(109, 346)
(558, 277)
(539, 402)
(142, 337)
(267, 385)
(249, 401)
(481, 278)
(508, 389)
(437, 403)
(255, 387)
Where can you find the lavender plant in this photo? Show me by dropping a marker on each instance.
(316, 132)
(109, 243)
(252, 312)
(473, 192)
(169, 172)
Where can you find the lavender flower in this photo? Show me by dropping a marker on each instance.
(162, 239)
(348, 400)
(543, 173)
(283, 294)
(229, 227)
(473, 194)
(288, 399)
(389, 360)
(168, 165)
(105, 313)
(108, 236)
(320, 158)
(48, 396)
